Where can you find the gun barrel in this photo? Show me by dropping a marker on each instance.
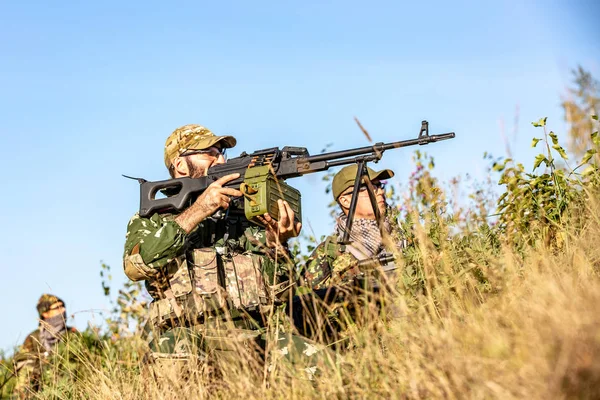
(381, 260)
(378, 148)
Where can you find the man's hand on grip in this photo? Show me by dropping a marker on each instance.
(215, 197)
(278, 232)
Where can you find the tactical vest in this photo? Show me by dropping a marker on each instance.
(212, 278)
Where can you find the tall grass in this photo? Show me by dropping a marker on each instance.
(482, 310)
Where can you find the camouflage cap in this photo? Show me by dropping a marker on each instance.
(345, 178)
(46, 301)
(192, 137)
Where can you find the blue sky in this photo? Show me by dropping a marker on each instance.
(89, 91)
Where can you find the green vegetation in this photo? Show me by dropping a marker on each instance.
(498, 298)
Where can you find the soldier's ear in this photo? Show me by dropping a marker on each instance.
(180, 167)
(344, 202)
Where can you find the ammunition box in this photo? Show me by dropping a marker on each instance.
(262, 191)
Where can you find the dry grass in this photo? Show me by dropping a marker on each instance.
(535, 335)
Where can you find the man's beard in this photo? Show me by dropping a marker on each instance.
(194, 171)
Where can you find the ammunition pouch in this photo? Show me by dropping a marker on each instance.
(210, 284)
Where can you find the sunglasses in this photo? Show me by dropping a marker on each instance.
(363, 188)
(56, 306)
(211, 151)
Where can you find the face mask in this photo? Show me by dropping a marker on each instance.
(52, 329)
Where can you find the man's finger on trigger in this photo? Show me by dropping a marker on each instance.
(231, 192)
(224, 179)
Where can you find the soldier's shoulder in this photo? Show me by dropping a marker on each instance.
(155, 218)
(31, 342)
(33, 335)
(144, 226)
(330, 247)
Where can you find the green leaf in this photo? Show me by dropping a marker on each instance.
(534, 142)
(595, 117)
(560, 151)
(588, 154)
(554, 138)
(596, 138)
(540, 159)
(541, 122)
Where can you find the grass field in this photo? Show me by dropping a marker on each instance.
(485, 308)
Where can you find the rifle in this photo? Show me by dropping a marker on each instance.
(385, 261)
(263, 174)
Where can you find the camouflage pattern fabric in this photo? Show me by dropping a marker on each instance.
(291, 353)
(46, 301)
(212, 289)
(344, 179)
(333, 263)
(31, 363)
(179, 352)
(337, 292)
(192, 137)
(329, 265)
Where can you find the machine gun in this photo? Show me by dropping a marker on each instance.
(263, 174)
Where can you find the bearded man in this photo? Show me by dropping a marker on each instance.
(214, 281)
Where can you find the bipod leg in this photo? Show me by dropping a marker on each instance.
(378, 217)
(360, 172)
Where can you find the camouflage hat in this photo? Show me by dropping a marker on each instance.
(46, 301)
(345, 178)
(192, 137)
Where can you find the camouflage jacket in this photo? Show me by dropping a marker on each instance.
(221, 266)
(328, 265)
(30, 362)
(333, 263)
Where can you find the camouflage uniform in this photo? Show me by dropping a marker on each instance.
(34, 356)
(214, 288)
(332, 273)
(333, 263)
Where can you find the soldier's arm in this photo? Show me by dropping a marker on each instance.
(150, 244)
(327, 265)
(317, 270)
(27, 367)
(213, 198)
